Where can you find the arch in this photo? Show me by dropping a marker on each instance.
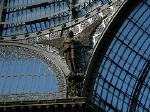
(118, 68)
(59, 69)
(105, 40)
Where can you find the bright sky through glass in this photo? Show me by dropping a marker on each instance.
(24, 75)
(54, 14)
(126, 61)
(124, 66)
(30, 75)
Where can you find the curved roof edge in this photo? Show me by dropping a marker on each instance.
(105, 40)
(54, 62)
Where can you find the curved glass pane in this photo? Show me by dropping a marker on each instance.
(122, 82)
(24, 74)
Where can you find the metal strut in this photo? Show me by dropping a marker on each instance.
(1, 9)
(139, 87)
(1, 13)
(72, 11)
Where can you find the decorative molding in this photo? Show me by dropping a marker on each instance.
(45, 52)
(22, 52)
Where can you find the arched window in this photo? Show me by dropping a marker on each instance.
(22, 74)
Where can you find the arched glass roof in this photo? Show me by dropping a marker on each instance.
(123, 78)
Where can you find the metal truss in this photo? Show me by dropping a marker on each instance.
(77, 25)
(102, 41)
(28, 6)
(25, 43)
(139, 86)
(56, 18)
(57, 105)
(105, 80)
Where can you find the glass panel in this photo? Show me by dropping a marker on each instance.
(57, 13)
(126, 64)
(22, 74)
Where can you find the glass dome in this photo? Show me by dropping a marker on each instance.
(123, 78)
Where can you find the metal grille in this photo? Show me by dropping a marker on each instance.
(122, 82)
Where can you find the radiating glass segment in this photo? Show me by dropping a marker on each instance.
(24, 74)
(123, 78)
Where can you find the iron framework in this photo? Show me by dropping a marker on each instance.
(116, 65)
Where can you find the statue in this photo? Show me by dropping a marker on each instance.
(68, 46)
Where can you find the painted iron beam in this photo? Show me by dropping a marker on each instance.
(1, 9)
(1, 13)
(29, 6)
(56, 105)
(139, 86)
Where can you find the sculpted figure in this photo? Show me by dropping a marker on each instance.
(67, 46)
